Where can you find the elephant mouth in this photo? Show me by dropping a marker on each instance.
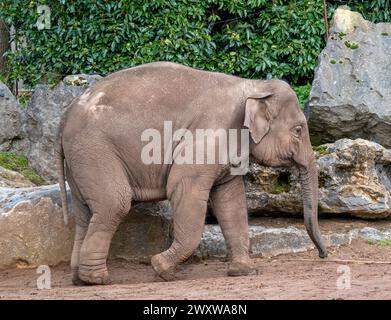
(274, 162)
(278, 163)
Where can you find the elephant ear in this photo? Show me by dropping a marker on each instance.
(257, 116)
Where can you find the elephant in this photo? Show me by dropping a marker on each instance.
(98, 151)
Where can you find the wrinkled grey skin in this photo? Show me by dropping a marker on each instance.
(99, 137)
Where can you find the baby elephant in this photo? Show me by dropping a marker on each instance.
(110, 165)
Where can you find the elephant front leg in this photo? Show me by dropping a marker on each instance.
(189, 200)
(230, 208)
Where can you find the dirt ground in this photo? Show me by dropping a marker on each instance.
(293, 276)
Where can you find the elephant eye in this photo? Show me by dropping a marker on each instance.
(297, 131)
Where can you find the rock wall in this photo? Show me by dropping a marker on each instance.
(12, 136)
(42, 119)
(354, 179)
(272, 241)
(351, 91)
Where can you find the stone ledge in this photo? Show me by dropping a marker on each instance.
(271, 241)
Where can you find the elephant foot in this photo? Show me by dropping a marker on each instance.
(323, 253)
(76, 281)
(163, 268)
(237, 269)
(90, 277)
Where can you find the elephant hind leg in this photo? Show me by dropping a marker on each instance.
(108, 196)
(82, 215)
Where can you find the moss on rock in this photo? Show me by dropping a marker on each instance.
(321, 150)
(351, 45)
(14, 162)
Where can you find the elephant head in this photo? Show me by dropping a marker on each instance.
(280, 138)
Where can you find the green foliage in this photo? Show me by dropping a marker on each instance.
(321, 151)
(302, 93)
(24, 101)
(250, 38)
(374, 10)
(19, 164)
(280, 188)
(4, 78)
(282, 184)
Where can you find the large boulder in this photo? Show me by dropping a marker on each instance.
(354, 179)
(12, 137)
(351, 91)
(273, 240)
(43, 116)
(32, 231)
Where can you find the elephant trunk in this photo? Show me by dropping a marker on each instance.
(309, 182)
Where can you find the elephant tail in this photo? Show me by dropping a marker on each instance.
(59, 156)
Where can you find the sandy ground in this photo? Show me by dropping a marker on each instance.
(293, 276)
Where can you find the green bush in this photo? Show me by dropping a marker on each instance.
(302, 92)
(250, 38)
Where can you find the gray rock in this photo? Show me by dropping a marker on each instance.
(370, 233)
(266, 242)
(12, 137)
(354, 179)
(144, 233)
(271, 241)
(351, 91)
(43, 116)
(32, 231)
(10, 197)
